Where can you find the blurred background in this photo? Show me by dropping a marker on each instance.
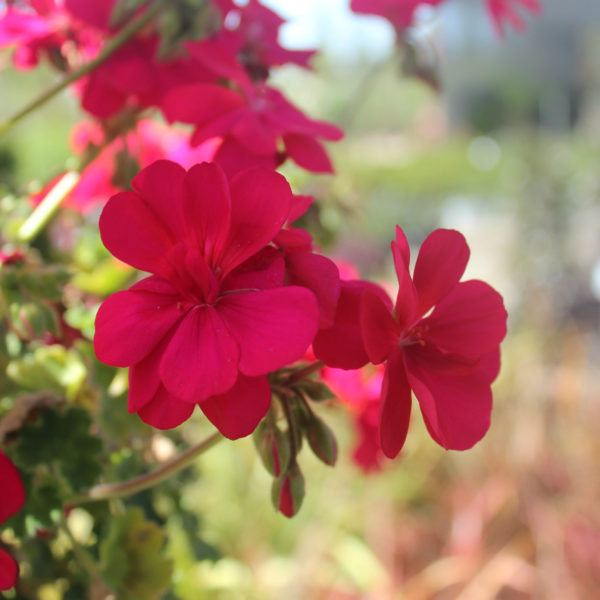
(497, 138)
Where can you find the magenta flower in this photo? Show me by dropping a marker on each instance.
(252, 125)
(441, 340)
(360, 390)
(215, 316)
(11, 502)
(448, 358)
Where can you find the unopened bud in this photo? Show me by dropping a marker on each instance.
(31, 320)
(321, 440)
(316, 390)
(287, 492)
(273, 448)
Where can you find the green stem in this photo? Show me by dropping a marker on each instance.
(132, 486)
(46, 209)
(109, 49)
(48, 206)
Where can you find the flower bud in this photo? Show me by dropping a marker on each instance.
(321, 440)
(287, 492)
(316, 390)
(31, 320)
(273, 448)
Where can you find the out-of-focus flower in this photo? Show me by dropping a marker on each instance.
(252, 124)
(215, 316)
(360, 390)
(251, 32)
(11, 502)
(46, 28)
(400, 13)
(504, 11)
(111, 171)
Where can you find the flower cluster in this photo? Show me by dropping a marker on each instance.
(219, 313)
(235, 296)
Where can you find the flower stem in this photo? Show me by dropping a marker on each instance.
(48, 206)
(304, 373)
(106, 491)
(107, 51)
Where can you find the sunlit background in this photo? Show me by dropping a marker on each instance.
(498, 138)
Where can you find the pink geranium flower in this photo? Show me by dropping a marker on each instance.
(215, 316)
(252, 124)
(252, 33)
(11, 502)
(45, 28)
(360, 390)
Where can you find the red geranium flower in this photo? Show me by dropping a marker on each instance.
(448, 358)
(11, 502)
(215, 317)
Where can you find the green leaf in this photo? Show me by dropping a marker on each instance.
(49, 368)
(62, 439)
(131, 559)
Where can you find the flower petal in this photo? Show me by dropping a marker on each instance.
(272, 327)
(470, 321)
(342, 345)
(380, 331)
(9, 570)
(260, 204)
(407, 298)
(440, 265)
(147, 250)
(394, 415)
(264, 270)
(207, 209)
(13, 496)
(237, 412)
(161, 186)
(307, 152)
(131, 323)
(165, 411)
(182, 104)
(456, 409)
(201, 360)
(321, 276)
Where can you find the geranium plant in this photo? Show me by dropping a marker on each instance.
(209, 291)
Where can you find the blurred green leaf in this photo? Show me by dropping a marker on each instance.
(49, 368)
(62, 439)
(131, 557)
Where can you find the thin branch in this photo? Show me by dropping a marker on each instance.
(304, 373)
(106, 491)
(107, 51)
